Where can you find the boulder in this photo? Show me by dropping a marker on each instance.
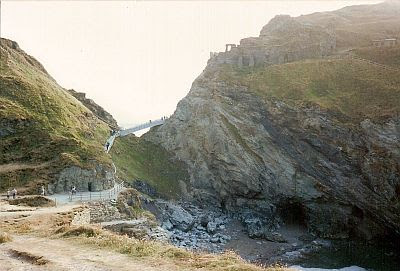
(167, 225)
(179, 217)
(211, 227)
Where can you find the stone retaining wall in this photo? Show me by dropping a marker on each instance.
(81, 217)
(102, 211)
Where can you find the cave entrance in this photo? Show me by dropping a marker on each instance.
(293, 213)
(398, 191)
(90, 187)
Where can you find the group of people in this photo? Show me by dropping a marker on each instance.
(12, 193)
(162, 118)
(113, 132)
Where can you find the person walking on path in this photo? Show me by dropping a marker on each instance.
(14, 193)
(42, 191)
(8, 194)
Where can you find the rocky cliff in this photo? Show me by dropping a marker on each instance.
(95, 108)
(312, 141)
(46, 135)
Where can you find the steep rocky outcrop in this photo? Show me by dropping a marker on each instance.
(95, 108)
(312, 142)
(57, 139)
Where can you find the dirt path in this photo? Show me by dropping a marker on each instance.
(7, 211)
(22, 253)
(65, 255)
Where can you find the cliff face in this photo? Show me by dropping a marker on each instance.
(46, 135)
(95, 108)
(314, 142)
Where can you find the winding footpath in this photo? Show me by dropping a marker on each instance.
(87, 196)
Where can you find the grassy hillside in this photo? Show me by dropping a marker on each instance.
(354, 88)
(356, 26)
(42, 127)
(136, 158)
(389, 56)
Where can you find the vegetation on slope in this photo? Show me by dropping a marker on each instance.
(356, 89)
(41, 122)
(389, 56)
(356, 26)
(138, 159)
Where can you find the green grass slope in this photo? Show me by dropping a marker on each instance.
(138, 159)
(354, 88)
(42, 128)
(389, 56)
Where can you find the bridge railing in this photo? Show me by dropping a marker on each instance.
(142, 126)
(100, 195)
(111, 139)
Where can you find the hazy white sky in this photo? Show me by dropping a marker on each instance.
(137, 59)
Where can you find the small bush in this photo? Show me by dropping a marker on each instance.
(5, 237)
(34, 201)
(82, 230)
(25, 227)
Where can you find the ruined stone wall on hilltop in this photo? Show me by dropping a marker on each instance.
(282, 40)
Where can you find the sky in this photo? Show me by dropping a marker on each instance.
(137, 59)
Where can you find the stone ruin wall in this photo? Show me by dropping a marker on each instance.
(258, 51)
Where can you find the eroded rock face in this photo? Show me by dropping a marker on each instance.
(271, 161)
(286, 164)
(95, 179)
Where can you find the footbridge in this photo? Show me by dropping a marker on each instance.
(125, 132)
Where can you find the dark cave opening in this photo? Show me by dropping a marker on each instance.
(357, 212)
(398, 191)
(293, 213)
